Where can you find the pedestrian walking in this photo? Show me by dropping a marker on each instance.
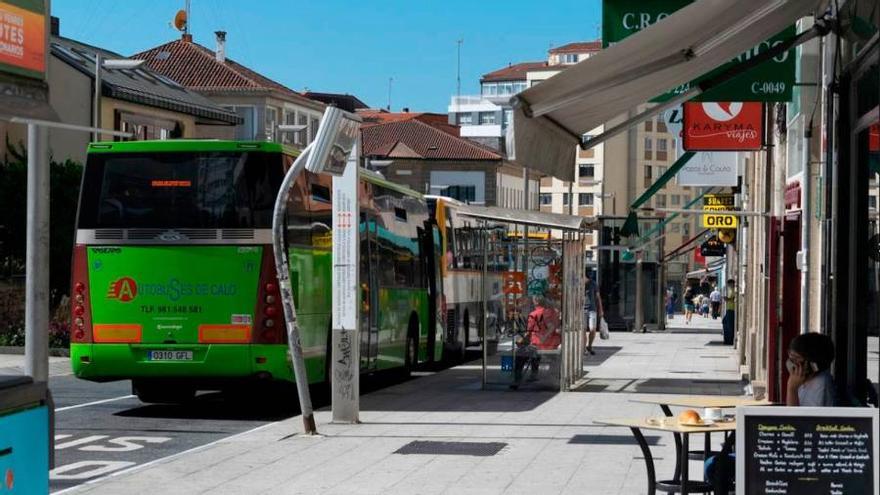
(688, 300)
(670, 303)
(592, 312)
(728, 323)
(704, 306)
(715, 302)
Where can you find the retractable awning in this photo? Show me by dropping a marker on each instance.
(530, 218)
(550, 118)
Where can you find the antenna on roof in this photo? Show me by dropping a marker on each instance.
(390, 79)
(181, 19)
(458, 75)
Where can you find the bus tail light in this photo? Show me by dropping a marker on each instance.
(269, 319)
(80, 309)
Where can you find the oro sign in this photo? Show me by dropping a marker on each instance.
(723, 126)
(719, 220)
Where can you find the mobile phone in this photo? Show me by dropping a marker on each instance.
(814, 367)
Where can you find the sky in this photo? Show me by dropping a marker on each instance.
(349, 46)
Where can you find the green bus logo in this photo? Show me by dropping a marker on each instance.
(123, 290)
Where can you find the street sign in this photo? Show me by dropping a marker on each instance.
(345, 368)
(723, 126)
(719, 221)
(770, 81)
(721, 201)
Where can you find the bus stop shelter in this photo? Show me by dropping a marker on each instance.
(532, 280)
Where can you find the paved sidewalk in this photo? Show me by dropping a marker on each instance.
(551, 444)
(13, 364)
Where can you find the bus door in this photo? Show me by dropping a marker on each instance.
(369, 269)
(430, 248)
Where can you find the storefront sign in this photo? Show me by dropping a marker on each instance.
(719, 221)
(23, 37)
(719, 201)
(723, 126)
(710, 169)
(771, 81)
(713, 247)
(806, 450)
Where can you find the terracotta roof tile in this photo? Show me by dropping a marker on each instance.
(578, 47)
(196, 67)
(514, 72)
(422, 139)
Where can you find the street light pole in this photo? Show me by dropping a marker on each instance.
(36, 320)
(282, 269)
(96, 104)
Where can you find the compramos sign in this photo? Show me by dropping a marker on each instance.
(23, 37)
(723, 126)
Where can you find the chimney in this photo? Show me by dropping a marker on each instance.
(220, 54)
(187, 38)
(55, 26)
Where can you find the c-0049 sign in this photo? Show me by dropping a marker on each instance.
(770, 81)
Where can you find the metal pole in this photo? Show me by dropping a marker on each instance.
(485, 292)
(661, 284)
(96, 104)
(639, 317)
(283, 273)
(36, 318)
(571, 198)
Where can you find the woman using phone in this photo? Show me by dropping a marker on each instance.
(809, 377)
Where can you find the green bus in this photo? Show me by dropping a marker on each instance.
(174, 284)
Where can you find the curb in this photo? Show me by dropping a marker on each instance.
(55, 351)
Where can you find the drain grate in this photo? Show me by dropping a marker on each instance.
(478, 449)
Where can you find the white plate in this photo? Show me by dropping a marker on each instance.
(706, 422)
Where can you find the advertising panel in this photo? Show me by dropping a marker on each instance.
(23, 37)
(771, 81)
(710, 169)
(139, 292)
(723, 126)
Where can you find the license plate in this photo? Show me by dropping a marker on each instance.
(169, 355)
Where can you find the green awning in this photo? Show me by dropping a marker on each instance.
(631, 225)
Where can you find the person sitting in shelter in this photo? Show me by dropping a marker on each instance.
(809, 377)
(538, 335)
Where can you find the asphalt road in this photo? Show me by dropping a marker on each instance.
(101, 429)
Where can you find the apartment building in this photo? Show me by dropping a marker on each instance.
(484, 118)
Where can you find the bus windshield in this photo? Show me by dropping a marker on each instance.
(211, 190)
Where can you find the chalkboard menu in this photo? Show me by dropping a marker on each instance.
(806, 450)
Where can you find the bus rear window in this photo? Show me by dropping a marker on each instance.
(180, 190)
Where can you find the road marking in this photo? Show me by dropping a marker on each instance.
(97, 468)
(87, 404)
(74, 443)
(124, 444)
(163, 459)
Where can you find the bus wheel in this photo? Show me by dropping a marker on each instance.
(162, 393)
